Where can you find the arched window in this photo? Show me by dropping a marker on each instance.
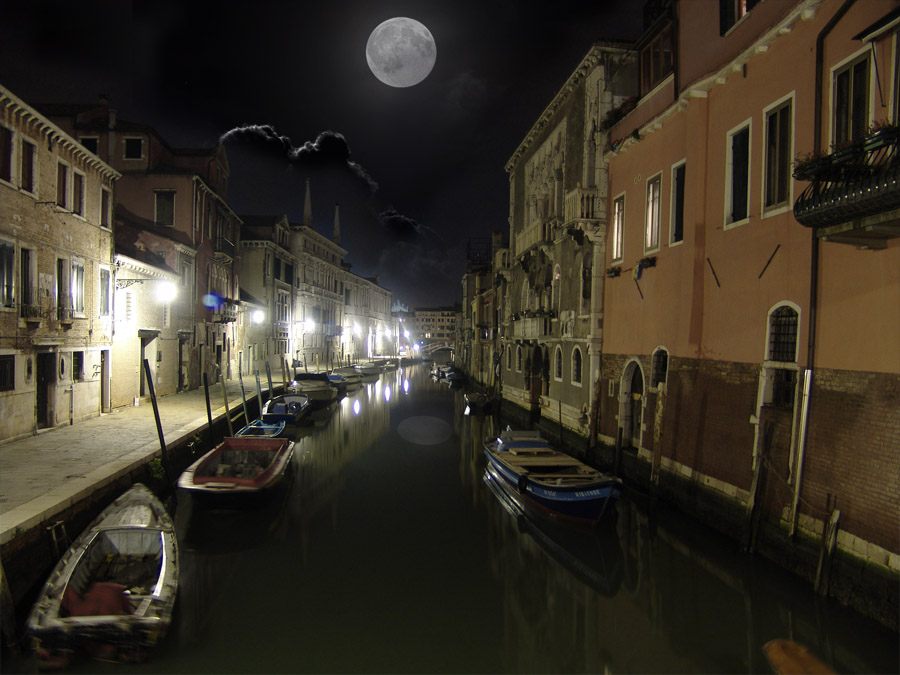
(783, 334)
(660, 363)
(576, 365)
(555, 290)
(780, 381)
(558, 364)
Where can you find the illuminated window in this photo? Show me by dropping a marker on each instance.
(651, 225)
(618, 227)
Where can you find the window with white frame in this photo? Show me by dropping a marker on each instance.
(76, 289)
(851, 101)
(165, 207)
(6, 154)
(62, 185)
(676, 219)
(659, 367)
(105, 208)
(134, 148)
(576, 365)
(732, 11)
(618, 227)
(78, 193)
(779, 133)
(28, 167)
(104, 296)
(7, 273)
(737, 173)
(781, 356)
(651, 221)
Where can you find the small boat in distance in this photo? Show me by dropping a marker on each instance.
(261, 429)
(316, 386)
(112, 593)
(287, 408)
(239, 466)
(549, 479)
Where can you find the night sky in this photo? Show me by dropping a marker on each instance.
(285, 85)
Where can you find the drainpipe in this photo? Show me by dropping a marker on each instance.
(814, 263)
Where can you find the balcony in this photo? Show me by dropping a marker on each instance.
(583, 205)
(226, 312)
(30, 307)
(224, 250)
(531, 328)
(854, 194)
(535, 235)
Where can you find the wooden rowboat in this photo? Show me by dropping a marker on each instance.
(112, 593)
(239, 466)
(551, 480)
(287, 408)
(261, 429)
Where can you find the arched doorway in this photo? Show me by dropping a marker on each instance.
(631, 404)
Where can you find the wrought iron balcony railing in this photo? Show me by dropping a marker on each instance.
(224, 249)
(853, 194)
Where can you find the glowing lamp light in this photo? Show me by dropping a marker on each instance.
(387, 332)
(406, 334)
(166, 291)
(258, 316)
(213, 300)
(309, 325)
(356, 330)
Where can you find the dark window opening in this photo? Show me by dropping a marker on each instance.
(660, 367)
(740, 173)
(134, 148)
(7, 372)
(783, 335)
(678, 204)
(778, 155)
(783, 385)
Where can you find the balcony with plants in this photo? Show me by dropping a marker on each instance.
(853, 196)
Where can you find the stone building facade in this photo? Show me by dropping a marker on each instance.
(751, 317)
(56, 271)
(177, 198)
(550, 295)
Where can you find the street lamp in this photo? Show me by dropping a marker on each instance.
(166, 291)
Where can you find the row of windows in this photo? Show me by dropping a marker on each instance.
(850, 124)
(21, 289)
(558, 362)
(19, 167)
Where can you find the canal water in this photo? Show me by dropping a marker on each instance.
(387, 551)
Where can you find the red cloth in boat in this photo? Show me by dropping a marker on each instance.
(103, 598)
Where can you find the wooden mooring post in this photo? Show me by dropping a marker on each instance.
(826, 550)
(208, 411)
(159, 430)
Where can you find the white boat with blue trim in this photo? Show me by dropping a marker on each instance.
(549, 479)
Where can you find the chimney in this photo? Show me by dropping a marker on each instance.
(307, 207)
(336, 237)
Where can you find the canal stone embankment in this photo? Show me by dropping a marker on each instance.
(54, 483)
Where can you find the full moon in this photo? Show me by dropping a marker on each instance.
(401, 52)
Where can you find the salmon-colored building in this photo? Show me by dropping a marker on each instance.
(751, 319)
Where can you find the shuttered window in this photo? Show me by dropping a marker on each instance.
(778, 155)
(851, 102)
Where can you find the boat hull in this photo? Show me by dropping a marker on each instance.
(582, 500)
(112, 593)
(239, 466)
(287, 408)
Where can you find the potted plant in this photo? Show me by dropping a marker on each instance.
(811, 165)
(881, 133)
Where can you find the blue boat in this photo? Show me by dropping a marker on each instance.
(261, 429)
(551, 480)
(287, 408)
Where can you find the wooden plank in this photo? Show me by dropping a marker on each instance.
(786, 656)
(525, 460)
(531, 450)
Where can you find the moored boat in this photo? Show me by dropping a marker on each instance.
(550, 479)
(261, 429)
(350, 374)
(287, 408)
(239, 466)
(368, 371)
(316, 386)
(112, 593)
(478, 402)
